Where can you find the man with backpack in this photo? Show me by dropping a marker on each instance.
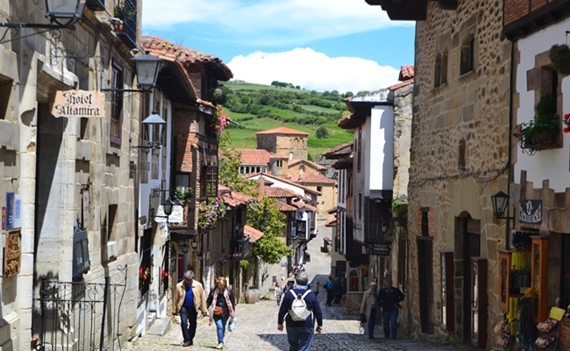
(299, 309)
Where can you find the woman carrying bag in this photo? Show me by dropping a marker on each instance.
(221, 307)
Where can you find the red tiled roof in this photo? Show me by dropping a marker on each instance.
(186, 56)
(252, 233)
(351, 121)
(307, 178)
(233, 198)
(255, 156)
(310, 163)
(338, 148)
(406, 72)
(282, 130)
(401, 84)
(301, 204)
(270, 177)
(331, 221)
(283, 207)
(275, 192)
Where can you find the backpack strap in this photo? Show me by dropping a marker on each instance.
(306, 293)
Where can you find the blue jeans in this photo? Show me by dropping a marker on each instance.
(221, 322)
(300, 338)
(188, 323)
(371, 322)
(390, 321)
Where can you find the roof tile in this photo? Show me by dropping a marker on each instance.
(282, 130)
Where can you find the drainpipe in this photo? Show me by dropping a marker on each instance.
(511, 115)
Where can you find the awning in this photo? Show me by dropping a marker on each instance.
(181, 234)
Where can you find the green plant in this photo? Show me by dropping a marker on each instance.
(399, 208)
(545, 122)
(183, 194)
(244, 264)
(210, 213)
(560, 58)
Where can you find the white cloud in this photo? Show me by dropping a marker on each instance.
(313, 70)
(267, 22)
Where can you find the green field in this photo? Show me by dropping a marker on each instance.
(256, 107)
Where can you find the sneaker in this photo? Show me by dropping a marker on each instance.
(220, 346)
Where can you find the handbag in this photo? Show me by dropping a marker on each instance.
(218, 311)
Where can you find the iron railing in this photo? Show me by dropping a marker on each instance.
(72, 316)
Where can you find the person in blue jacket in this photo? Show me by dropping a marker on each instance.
(300, 333)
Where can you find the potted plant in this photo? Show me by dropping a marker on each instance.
(119, 16)
(566, 121)
(560, 58)
(210, 213)
(183, 194)
(542, 132)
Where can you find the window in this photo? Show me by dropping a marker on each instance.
(461, 161)
(279, 163)
(319, 188)
(209, 181)
(440, 76)
(467, 56)
(182, 180)
(81, 262)
(116, 104)
(425, 221)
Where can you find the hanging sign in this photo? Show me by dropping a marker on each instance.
(379, 249)
(78, 103)
(530, 211)
(12, 254)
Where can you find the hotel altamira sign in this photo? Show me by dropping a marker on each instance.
(78, 103)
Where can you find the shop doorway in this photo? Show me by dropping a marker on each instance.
(425, 275)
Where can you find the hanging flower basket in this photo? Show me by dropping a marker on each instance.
(210, 213)
(542, 132)
(560, 58)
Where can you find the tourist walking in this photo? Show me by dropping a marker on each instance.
(190, 298)
(330, 294)
(338, 291)
(299, 309)
(390, 298)
(221, 308)
(369, 309)
(278, 293)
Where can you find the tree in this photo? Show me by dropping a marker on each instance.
(265, 216)
(322, 133)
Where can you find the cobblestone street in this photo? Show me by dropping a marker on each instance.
(257, 330)
(257, 325)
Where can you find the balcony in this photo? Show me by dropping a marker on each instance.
(96, 5)
(129, 16)
(522, 18)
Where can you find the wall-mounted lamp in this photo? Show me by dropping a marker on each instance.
(148, 125)
(194, 244)
(383, 228)
(146, 69)
(169, 204)
(183, 247)
(500, 202)
(63, 14)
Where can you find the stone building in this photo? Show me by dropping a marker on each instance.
(67, 183)
(284, 141)
(459, 158)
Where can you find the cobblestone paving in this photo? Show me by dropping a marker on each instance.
(257, 325)
(257, 330)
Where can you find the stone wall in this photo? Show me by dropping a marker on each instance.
(459, 157)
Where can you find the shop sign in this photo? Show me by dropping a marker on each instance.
(380, 249)
(13, 211)
(530, 211)
(78, 103)
(12, 254)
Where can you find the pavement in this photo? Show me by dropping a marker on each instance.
(257, 326)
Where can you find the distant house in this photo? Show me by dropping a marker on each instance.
(284, 140)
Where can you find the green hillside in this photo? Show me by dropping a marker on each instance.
(256, 107)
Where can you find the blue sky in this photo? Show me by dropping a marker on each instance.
(343, 45)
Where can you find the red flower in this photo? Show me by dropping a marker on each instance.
(567, 116)
(566, 130)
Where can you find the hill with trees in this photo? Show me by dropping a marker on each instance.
(255, 107)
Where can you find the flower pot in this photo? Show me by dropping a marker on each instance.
(252, 295)
(119, 27)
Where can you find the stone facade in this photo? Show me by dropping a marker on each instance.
(460, 156)
(284, 141)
